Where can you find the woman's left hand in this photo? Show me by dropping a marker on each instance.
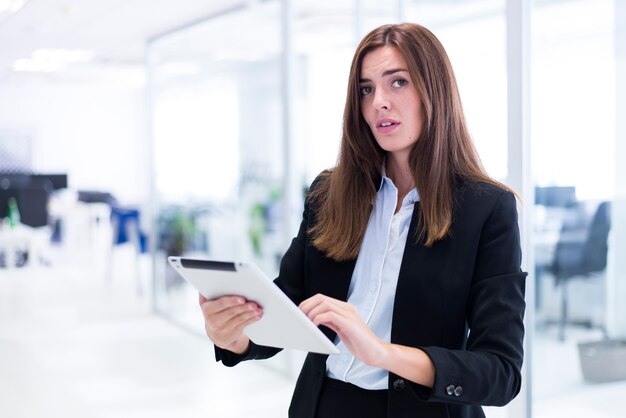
(344, 319)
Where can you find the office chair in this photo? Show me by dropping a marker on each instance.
(554, 202)
(580, 253)
(126, 227)
(33, 204)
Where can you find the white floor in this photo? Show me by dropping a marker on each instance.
(75, 345)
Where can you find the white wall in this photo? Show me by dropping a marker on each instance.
(92, 129)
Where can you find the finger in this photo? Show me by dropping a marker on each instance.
(223, 319)
(307, 304)
(249, 309)
(201, 298)
(222, 304)
(320, 309)
(337, 317)
(235, 325)
(245, 319)
(314, 301)
(330, 319)
(327, 303)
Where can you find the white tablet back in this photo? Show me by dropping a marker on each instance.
(282, 325)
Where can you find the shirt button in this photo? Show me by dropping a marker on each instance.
(450, 390)
(458, 391)
(398, 385)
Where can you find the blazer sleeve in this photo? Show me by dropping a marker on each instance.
(488, 371)
(290, 280)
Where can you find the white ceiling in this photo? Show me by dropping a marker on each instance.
(116, 30)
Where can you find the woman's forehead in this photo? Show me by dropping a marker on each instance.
(380, 60)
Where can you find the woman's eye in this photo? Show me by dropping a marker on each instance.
(365, 90)
(400, 83)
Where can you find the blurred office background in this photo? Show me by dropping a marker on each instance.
(134, 130)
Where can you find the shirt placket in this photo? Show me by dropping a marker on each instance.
(375, 281)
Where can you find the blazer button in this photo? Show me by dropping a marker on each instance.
(458, 391)
(450, 390)
(398, 385)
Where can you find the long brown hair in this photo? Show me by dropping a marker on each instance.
(443, 153)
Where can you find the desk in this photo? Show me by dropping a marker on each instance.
(12, 240)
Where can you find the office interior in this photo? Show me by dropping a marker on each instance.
(134, 131)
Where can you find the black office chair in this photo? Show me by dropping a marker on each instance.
(33, 204)
(580, 252)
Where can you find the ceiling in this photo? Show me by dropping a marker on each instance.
(115, 30)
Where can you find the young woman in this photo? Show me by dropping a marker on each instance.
(408, 254)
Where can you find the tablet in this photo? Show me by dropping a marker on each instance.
(283, 324)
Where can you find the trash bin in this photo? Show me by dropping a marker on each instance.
(603, 361)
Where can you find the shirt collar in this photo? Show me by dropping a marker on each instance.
(411, 197)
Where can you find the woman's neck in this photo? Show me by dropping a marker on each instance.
(401, 175)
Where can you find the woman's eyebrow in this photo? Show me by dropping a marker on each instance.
(385, 74)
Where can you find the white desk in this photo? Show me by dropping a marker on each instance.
(20, 238)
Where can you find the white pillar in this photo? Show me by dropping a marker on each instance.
(519, 175)
(152, 215)
(359, 21)
(616, 275)
(401, 11)
(287, 91)
(290, 362)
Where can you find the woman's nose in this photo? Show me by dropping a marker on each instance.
(381, 100)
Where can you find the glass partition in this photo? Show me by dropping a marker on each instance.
(217, 97)
(324, 40)
(574, 145)
(325, 36)
(218, 155)
(218, 128)
(473, 32)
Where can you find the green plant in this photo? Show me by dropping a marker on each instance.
(177, 229)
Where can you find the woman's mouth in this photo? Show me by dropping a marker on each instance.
(386, 125)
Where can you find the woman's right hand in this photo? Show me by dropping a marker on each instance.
(226, 317)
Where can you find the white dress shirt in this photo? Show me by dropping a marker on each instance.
(374, 279)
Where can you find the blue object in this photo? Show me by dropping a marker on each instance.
(123, 219)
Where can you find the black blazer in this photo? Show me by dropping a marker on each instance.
(461, 301)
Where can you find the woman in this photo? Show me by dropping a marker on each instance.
(408, 254)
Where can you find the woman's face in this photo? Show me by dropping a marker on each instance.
(389, 101)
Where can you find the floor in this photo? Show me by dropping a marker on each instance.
(75, 344)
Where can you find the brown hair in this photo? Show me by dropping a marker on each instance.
(443, 153)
